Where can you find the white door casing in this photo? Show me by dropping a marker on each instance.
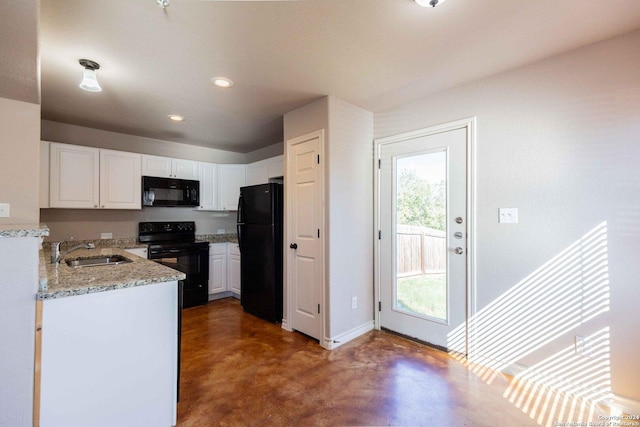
(305, 235)
(457, 141)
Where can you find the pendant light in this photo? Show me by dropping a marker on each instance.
(432, 3)
(89, 79)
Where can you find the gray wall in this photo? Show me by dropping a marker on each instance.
(19, 144)
(348, 203)
(558, 139)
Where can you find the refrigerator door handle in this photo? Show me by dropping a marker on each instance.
(239, 217)
(238, 228)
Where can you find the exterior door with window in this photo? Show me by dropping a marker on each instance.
(423, 236)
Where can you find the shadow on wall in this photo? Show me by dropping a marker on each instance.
(564, 293)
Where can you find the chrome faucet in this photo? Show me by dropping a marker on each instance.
(56, 256)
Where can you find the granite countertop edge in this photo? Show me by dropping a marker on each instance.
(23, 230)
(47, 295)
(63, 281)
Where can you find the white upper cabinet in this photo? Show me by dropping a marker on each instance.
(74, 177)
(167, 167)
(120, 180)
(230, 179)
(208, 177)
(275, 167)
(88, 178)
(259, 172)
(44, 174)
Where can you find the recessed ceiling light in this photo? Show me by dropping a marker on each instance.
(222, 82)
(176, 117)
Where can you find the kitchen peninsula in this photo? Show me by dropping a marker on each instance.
(109, 342)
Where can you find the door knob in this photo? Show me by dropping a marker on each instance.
(458, 250)
(293, 246)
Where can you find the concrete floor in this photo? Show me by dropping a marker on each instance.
(238, 370)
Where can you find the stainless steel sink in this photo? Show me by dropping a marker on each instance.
(97, 261)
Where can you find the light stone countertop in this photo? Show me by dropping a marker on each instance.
(64, 281)
(218, 238)
(23, 230)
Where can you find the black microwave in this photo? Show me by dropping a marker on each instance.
(158, 191)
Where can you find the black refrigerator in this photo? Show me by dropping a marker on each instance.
(260, 240)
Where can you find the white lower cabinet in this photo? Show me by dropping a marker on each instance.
(233, 267)
(217, 268)
(224, 270)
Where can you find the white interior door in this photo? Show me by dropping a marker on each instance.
(304, 241)
(423, 236)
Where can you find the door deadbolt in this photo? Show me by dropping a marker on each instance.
(457, 235)
(459, 220)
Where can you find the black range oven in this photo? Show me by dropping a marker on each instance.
(174, 244)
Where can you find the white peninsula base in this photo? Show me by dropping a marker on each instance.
(110, 358)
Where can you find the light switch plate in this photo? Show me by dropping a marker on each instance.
(4, 210)
(106, 235)
(508, 215)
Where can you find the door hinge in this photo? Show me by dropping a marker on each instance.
(379, 234)
(318, 308)
(318, 158)
(318, 233)
(379, 163)
(379, 305)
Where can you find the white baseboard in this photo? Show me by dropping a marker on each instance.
(337, 341)
(623, 405)
(285, 325)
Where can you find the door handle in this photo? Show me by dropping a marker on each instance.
(293, 246)
(458, 250)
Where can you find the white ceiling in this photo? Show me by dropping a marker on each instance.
(283, 54)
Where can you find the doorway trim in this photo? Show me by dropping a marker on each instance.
(287, 321)
(469, 124)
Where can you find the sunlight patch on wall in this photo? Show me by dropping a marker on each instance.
(553, 301)
(566, 387)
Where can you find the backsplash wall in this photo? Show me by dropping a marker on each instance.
(86, 224)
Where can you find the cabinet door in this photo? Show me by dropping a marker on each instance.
(230, 179)
(217, 273)
(74, 176)
(120, 180)
(44, 174)
(257, 173)
(233, 265)
(275, 167)
(184, 169)
(208, 174)
(156, 166)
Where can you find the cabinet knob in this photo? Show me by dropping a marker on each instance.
(95, 206)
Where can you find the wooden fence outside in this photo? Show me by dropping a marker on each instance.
(420, 250)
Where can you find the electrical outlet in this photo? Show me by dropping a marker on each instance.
(106, 235)
(4, 210)
(354, 302)
(221, 231)
(508, 215)
(583, 346)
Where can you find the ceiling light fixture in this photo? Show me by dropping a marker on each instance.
(427, 3)
(176, 117)
(162, 3)
(89, 80)
(222, 82)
